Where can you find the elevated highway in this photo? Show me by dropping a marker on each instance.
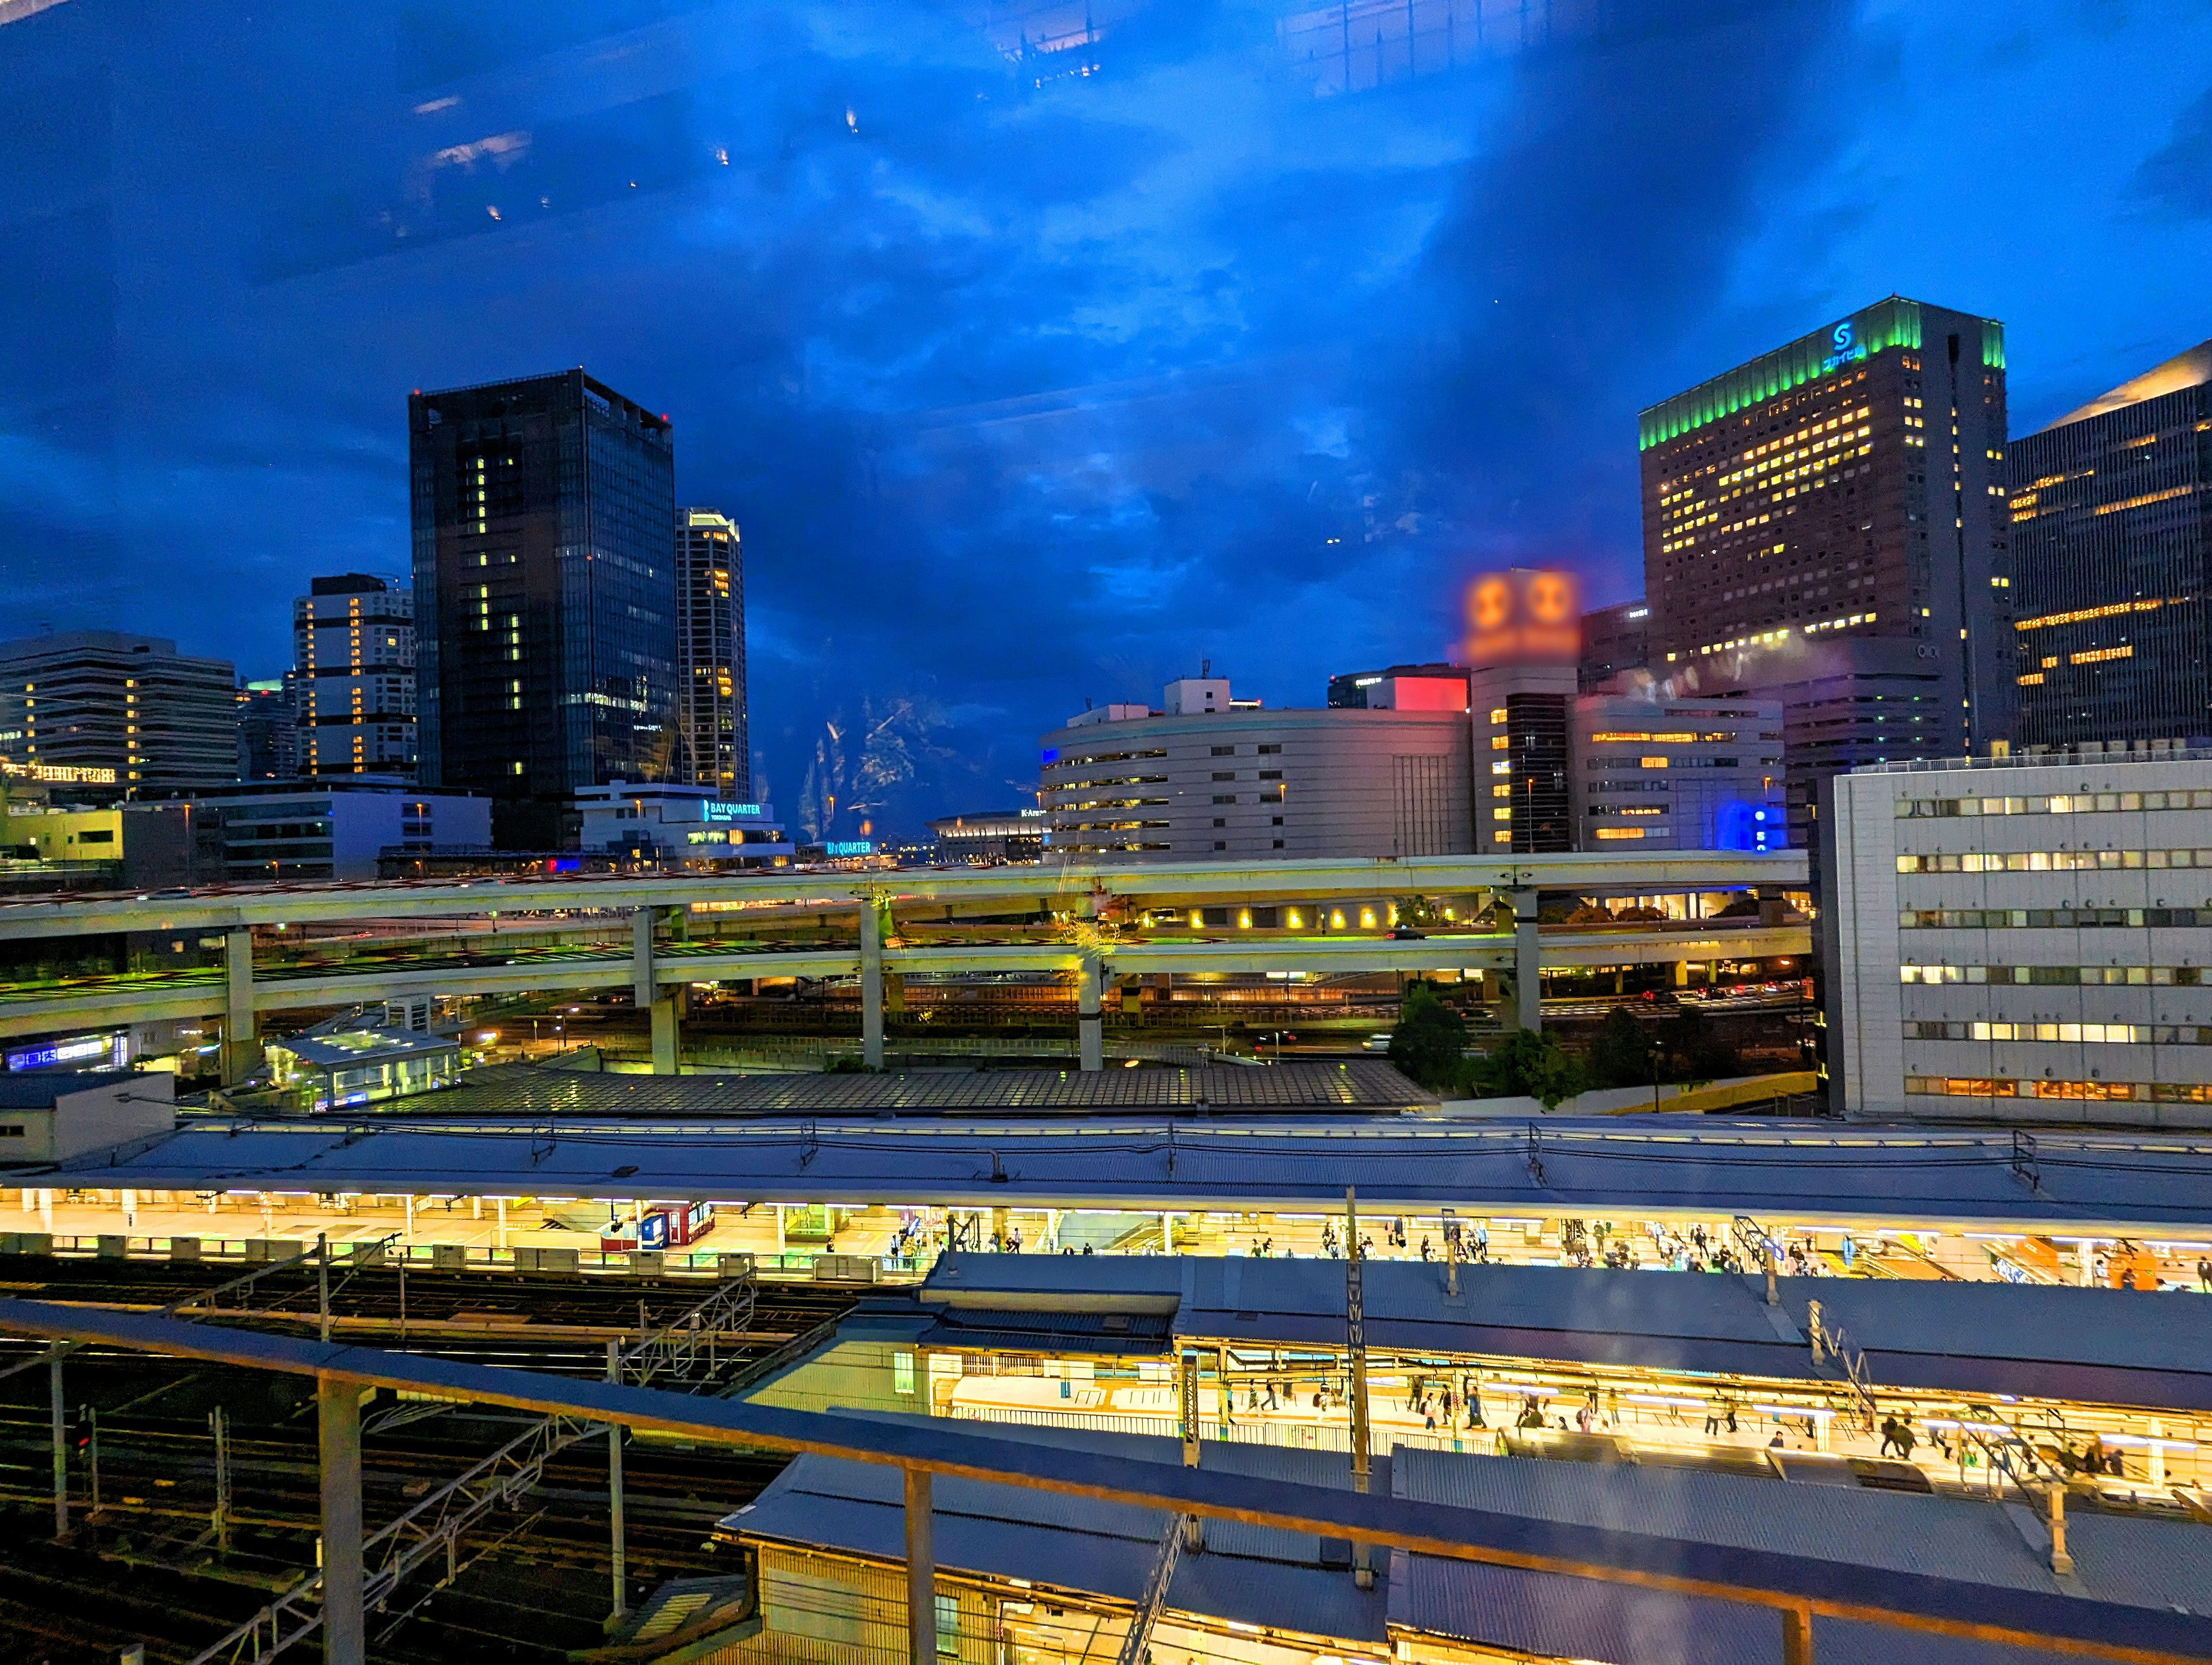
(1099, 921)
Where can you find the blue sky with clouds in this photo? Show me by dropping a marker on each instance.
(1036, 364)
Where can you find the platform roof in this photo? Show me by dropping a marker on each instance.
(510, 1091)
(2102, 1346)
(1253, 1576)
(1627, 1168)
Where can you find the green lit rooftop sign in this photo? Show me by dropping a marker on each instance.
(1894, 322)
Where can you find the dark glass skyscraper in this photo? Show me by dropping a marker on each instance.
(544, 516)
(2111, 537)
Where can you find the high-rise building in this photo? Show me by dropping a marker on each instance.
(353, 643)
(2111, 548)
(269, 729)
(1522, 720)
(710, 652)
(544, 518)
(1826, 524)
(126, 714)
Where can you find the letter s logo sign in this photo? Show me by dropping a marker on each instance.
(1842, 336)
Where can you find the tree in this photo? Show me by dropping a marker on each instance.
(1620, 1056)
(1429, 1040)
(1690, 1052)
(1532, 1062)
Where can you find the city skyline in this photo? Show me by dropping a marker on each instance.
(1110, 387)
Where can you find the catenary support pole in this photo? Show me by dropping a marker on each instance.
(61, 1442)
(618, 1545)
(1527, 963)
(921, 1569)
(338, 1407)
(1355, 1354)
(221, 1423)
(239, 1055)
(1090, 1022)
(871, 983)
(1797, 1636)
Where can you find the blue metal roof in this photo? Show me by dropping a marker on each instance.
(1278, 1580)
(1800, 1172)
(2105, 1347)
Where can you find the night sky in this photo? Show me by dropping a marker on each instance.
(1035, 368)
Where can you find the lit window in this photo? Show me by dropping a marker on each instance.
(1498, 714)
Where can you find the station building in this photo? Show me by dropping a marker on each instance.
(1568, 1397)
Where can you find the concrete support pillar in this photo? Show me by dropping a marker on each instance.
(503, 1222)
(921, 1569)
(338, 1408)
(644, 983)
(1090, 1024)
(241, 1056)
(666, 1032)
(1527, 965)
(871, 983)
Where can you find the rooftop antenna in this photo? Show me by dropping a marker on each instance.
(1205, 669)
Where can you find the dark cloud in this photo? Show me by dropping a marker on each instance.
(1035, 369)
(2177, 177)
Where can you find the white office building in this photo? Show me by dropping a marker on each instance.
(1212, 779)
(2022, 940)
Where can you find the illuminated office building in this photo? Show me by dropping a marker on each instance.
(353, 644)
(1827, 525)
(710, 652)
(104, 713)
(2111, 530)
(546, 606)
(1677, 775)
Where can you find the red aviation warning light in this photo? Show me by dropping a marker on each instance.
(1523, 617)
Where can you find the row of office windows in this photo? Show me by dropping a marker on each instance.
(2140, 1034)
(2078, 803)
(2052, 861)
(2147, 1092)
(2088, 976)
(2047, 918)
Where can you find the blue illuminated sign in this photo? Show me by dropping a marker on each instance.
(1846, 341)
(714, 810)
(848, 846)
(1747, 826)
(79, 1049)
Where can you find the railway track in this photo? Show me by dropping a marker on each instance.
(147, 1566)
